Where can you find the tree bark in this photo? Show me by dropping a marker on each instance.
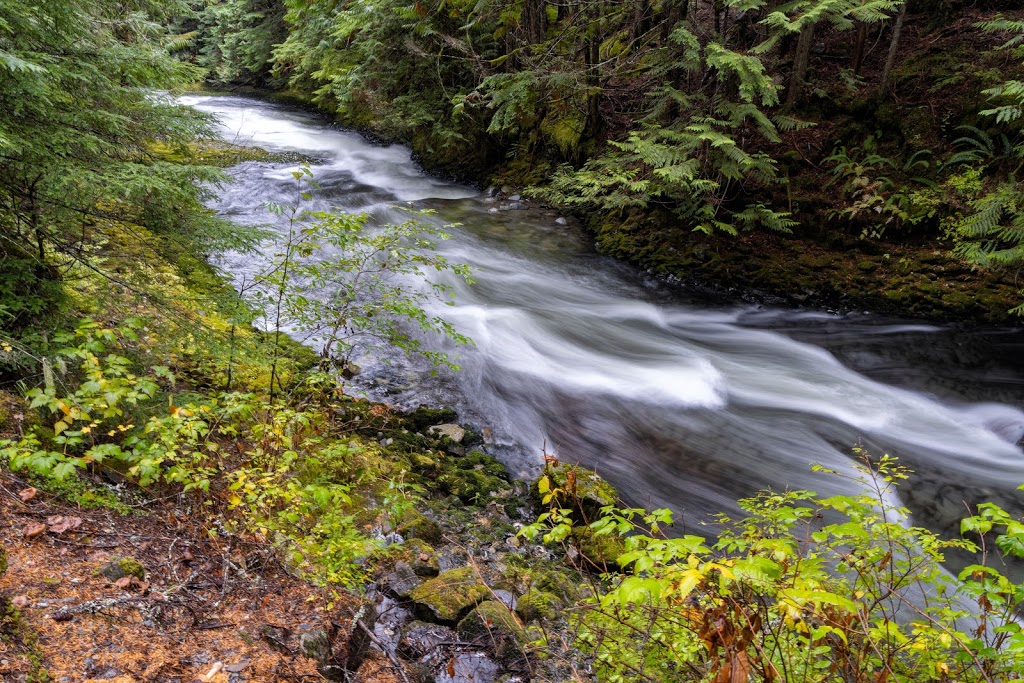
(800, 64)
(890, 61)
(858, 48)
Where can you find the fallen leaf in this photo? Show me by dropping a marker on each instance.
(59, 524)
(19, 601)
(33, 529)
(124, 581)
(28, 494)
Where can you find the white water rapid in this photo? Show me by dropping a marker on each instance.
(677, 400)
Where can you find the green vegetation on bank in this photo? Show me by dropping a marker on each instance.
(867, 127)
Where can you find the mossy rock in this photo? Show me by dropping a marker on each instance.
(449, 596)
(418, 554)
(581, 490)
(423, 417)
(601, 552)
(120, 567)
(473, 478)
(538, 605)
(421, 527)
(492, 623)
(560, 584)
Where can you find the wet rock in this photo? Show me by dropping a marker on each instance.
(449, 596)
(470, 667)
(515, 198)
(561, 221)
(423, 417)
(420, 639)
(450, 431)
(403, 580)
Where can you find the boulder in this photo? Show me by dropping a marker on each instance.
(449, 596)
(449, 431)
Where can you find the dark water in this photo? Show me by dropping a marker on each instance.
(679, 401)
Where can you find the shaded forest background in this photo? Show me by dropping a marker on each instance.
(846, 122)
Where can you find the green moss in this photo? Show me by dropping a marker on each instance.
(3, 560)
(423, 417)
(416, 552)
(450, 595)
(576, 488)
(18, 640)
(472, 478)
(223, 154)
(421, 527)
(120, 567)
(600, 552)
(538, 605)
(493, 623)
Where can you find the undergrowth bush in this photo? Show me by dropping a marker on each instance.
(228, 453)
(804, 588)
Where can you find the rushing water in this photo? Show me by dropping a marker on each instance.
(677, 400)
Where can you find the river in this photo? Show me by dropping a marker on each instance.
(678, 399)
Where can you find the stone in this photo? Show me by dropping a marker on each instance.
(450, 595)
(505, 597)
(121, 567)
(424, 558)
(561, 221)
(581, 490)
(470, 667)
(422, 527)
(420, 639)
(538, 605)
(490, 622)
(450, 431)
(403, 580)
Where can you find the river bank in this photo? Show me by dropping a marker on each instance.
(813, 269)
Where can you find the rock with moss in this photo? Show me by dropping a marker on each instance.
(473, 478)
(538, 605)
(576, 488)
(449, 596)
(422, 527)
(422, 418)
(492, 623)
(600, 551)
(120, 567)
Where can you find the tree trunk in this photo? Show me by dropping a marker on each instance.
(858, 48)
(534, 22)
(890, 61)
(800, 64)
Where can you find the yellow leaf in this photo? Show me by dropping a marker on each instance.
(235, 500)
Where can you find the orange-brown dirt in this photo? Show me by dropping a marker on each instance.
(211, 608)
